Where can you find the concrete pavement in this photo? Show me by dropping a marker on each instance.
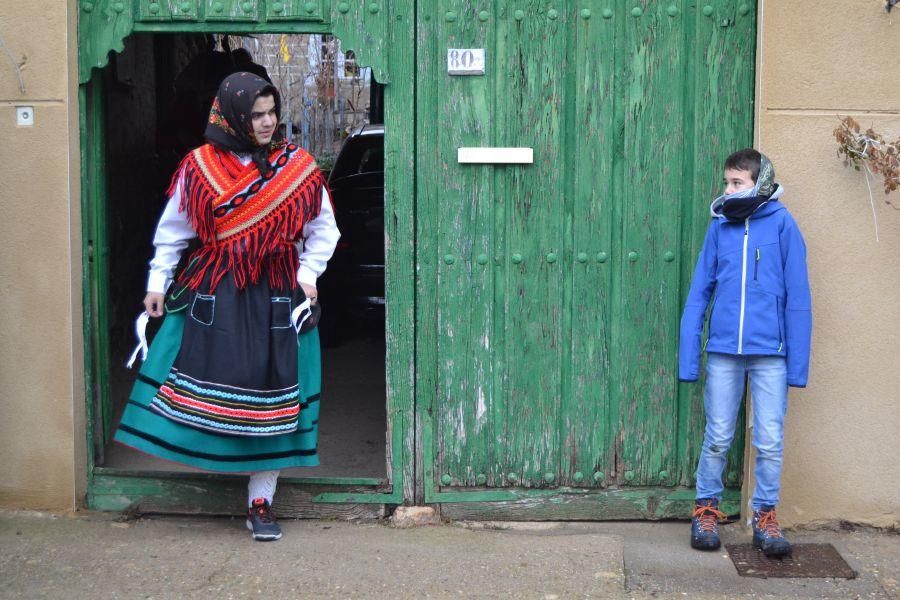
(96, 555)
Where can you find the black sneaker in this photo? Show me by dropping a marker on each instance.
(261, 521)
(705, 524)
(767, 534)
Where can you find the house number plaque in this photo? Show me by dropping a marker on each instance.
(465, 61)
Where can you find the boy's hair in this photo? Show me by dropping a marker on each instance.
(747, 159)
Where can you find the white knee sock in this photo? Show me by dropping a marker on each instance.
(262, 485)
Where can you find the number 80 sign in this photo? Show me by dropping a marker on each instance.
(465, 61)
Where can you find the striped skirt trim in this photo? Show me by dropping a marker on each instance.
(146, 430)
(264, 413)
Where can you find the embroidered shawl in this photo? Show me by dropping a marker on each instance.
(248, 223)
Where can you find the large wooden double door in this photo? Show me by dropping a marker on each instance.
(532, 307)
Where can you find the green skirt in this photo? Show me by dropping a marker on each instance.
(147, 431)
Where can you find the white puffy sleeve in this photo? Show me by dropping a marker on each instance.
(320, 237)
(172, 236)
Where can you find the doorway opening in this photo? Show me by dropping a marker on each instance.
(157, 94)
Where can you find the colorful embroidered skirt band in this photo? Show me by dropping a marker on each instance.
(227, 409)
(145, 428)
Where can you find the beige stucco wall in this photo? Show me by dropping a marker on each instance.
(818, 60)
(40, 348)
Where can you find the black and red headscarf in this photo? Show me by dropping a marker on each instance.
(230, 125)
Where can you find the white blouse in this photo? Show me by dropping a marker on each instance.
(320, 237)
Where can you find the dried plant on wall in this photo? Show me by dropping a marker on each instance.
(867, 151)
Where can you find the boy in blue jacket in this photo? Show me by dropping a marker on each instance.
(754, 262)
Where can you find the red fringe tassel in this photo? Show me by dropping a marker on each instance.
(266, 248)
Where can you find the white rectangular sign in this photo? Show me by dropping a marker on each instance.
(496, 156)
(465, 61)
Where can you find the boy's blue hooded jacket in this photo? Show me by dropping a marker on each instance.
(757, 270)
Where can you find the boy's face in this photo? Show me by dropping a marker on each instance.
(737, 180)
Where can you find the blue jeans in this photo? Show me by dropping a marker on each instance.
(725, 376)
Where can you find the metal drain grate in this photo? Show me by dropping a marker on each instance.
(807, 560)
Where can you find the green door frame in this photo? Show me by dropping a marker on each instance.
(382, 34)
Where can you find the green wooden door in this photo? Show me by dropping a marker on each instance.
(549, 294)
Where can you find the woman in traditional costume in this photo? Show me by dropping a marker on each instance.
(231, 382)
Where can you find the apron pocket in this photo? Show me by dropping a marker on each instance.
(203, 309)
(281, 312)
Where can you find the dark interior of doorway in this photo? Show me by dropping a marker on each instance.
(146, 133)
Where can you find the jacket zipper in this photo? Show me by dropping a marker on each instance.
(756, 266)
(740, 348)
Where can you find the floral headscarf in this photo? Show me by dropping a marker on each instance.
(230, 125)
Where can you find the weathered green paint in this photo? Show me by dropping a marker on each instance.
(381, 34)
(87, 293)
(353, 481)
(556, 357)
(366, 27)
(226, 495)
(539, 330)
(385, 38)
(103, 26)
(584, 505)
(96, 260)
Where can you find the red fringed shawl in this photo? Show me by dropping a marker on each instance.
(248, 223)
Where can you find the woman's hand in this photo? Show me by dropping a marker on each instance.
(153, 302)
(311, 292)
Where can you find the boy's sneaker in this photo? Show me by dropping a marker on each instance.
(261, 521)
(767, 535)
(705, 524)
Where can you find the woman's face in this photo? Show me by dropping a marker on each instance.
(264, 120)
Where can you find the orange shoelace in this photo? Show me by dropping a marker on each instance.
(768, 522)
(708, 516)
(263, 512)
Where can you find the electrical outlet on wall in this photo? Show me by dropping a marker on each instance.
(25, 116)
